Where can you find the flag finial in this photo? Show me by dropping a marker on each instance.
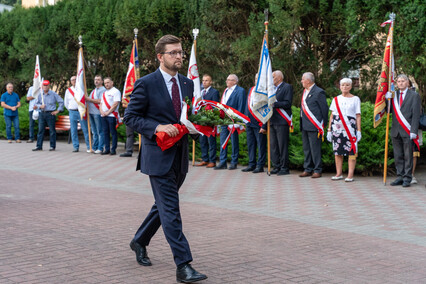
(266, 12)
(135, 30)
(80, 40)
(392, 16)
(195, 33)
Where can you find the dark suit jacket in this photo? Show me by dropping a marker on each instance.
(284, 95)
(212, 95)
(410, 109)
(150, 106)
(238, 99)
(317, 103)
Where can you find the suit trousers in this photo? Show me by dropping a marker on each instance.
(166, 213)
(130, 139)
(403, 154)
(312, 150)
(280, 137)
(256, 141)
(208, 148)
(224, 132)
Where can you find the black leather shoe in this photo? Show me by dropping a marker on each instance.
(248, 169)
(126, 154)
(141, 253)
(275, 171)
(37, 149)
(398, 181)
(406, 184)
(112, 153)
(258, 170)
(221, 167)
(105, 153)
(75, 150)
(283, 172)
(187, 274)
(52, 149)
(232, 167)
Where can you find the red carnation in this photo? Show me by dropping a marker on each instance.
(222, 114)
(209, 107)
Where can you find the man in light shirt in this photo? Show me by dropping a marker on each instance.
(71, 104)
(110, 100)
(94, 100)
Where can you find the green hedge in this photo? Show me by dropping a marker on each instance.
(370, 156)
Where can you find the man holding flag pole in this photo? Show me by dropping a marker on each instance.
(33, 92)
(405, 108)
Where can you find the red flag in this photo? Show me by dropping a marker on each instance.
(131, 74)
(386, 81)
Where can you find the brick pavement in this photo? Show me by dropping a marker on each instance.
(68, 218)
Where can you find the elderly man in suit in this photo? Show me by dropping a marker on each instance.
(235, 97)
(155, 105)
(405, 124)
(208, 144)
(280, 123)
(313, 117)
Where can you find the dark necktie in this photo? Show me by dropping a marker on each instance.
(204, 93)
(401, 99)
(176, 98)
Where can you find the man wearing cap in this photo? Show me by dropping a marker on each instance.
(46, 104)
(10, 102)
(71, 104)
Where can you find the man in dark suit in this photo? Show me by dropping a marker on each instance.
(208, 144)
(280, 127)
(405, 106)
(235, 97)
(155, 105)
(313, 117)
(256, 138)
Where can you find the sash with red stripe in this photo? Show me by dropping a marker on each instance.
(115, 113)
(249, 108)
(402, 121)
(352, 137)
(311, 116)
(93, 97)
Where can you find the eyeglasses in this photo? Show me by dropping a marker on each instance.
(174, 53)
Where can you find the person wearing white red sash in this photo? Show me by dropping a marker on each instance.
(313, 117)
(256, 138)
(235, 97)
(93, 101)
(208, 144)
(344, 129)
(280, 123)
(405, 123)
(71, 104)
(110, 101)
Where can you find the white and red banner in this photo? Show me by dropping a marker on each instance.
(194, 75)
(263, 96)
(131, 73)
(80, 86)
(36, 80)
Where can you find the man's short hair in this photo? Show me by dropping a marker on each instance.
(109, 78)
(403, 76)
(278, 73)
(235, 77)
(9, 83)
(99, 76)
(310, 76)
(160, 46)
(208, 75)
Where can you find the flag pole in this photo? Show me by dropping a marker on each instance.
(390, 73)
(269, 124)
(80, 42)
(195, 34)
(135, 30)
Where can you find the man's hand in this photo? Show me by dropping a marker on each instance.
(169, 129)
(55, 112)
(413, 136)
(388, 95)
(42, 106)
(34, 107)
(263, 131)
(13, 108)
